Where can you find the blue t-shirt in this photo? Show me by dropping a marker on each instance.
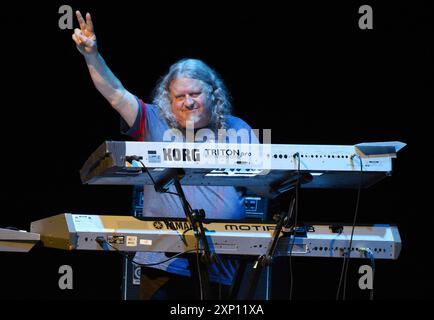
(219, 202)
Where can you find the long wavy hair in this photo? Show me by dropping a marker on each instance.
(217, 93)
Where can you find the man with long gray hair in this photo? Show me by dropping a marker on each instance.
(191, 94)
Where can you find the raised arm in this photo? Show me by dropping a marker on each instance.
(105, 81)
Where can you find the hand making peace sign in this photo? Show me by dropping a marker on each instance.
(84, 37)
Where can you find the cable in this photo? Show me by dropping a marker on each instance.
(369, 254)
(352, 229)
(153, 181)
(101, 241)
(157, 263)
(183, 234)
(220, 261)
(11, 228)
(198, 270)
(347, 256)
(137, 158)
(291, 277)
(222, 265)
(184, 240)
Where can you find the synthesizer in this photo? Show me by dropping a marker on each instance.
(126, 233)
(17, 240)
(248, 165)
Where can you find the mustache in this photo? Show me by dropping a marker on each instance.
(190, 107)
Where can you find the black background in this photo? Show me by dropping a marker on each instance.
(303, 69)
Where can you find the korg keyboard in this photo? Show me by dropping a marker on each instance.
(249, 165)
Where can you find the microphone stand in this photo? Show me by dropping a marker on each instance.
(195, 218)
(266, 259)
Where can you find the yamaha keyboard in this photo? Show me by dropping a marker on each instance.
(248, 165)
(126, 233)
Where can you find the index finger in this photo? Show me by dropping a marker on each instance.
(80, 21)
(89, 22)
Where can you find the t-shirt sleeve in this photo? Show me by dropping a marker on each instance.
(237, 124)
(137, 131)
(253, 137)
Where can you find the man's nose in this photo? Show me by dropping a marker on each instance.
(188, 100)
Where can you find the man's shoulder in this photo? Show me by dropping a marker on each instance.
(149, 105)
(151, 109)
(239, 125)
(234, 122)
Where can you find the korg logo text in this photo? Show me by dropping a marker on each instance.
(181, 154)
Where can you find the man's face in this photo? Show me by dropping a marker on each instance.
(189, 102)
